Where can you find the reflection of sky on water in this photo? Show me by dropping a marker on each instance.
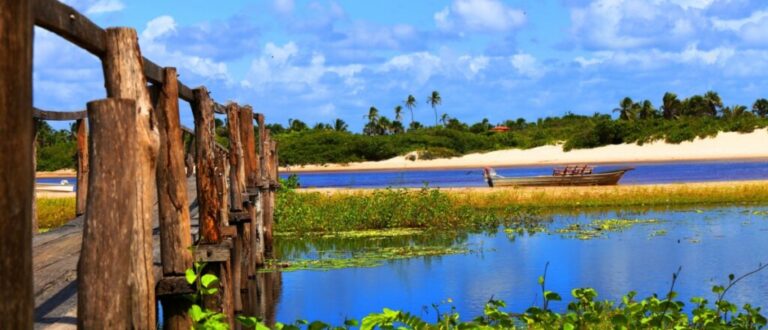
(643, 173)
(707, 250)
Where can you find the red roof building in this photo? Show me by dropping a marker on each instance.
(499, 129)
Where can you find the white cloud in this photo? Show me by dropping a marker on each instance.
(105, 6)
(423, 65)
(527, 65)
(479, 15)
(164, 55)
(474, 64)
(284, 6)
(279, 66)
(654, 58)
(750, 29)
(159, 26)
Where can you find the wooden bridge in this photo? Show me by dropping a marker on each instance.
(138, 213)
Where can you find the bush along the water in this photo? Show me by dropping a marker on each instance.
(297, 212)
(584, 311)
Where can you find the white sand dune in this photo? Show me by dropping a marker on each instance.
(725, 146)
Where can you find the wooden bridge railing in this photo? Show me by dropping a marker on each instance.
(134, 156)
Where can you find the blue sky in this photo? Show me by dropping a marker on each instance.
(319, 60)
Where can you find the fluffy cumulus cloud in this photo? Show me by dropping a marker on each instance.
(479, 16)
(154, 45)
(286, 68)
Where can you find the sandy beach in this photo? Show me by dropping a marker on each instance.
(63, 173)
(725, 146)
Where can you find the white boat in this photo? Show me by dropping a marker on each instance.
(63, 186)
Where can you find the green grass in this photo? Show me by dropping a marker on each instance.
(54, 212)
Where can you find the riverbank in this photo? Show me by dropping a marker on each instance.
(725, 146)
(593, 196)
(62, 173)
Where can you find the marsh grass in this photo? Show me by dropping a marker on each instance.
(54, 212)
(616, 196)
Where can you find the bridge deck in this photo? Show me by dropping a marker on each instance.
(54, 261)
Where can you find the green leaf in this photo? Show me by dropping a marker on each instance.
(541, 280)
(196, 313)
(190, 275)
(208, 279)
(351, 323)
(553, 296)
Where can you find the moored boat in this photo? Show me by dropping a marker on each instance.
(63, 186)
(572, 175)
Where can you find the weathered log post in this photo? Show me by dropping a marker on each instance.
(207, 194)
(173, 202)
(261, 181)
(237, 187)
(210, 221)
(269, 201)
(124, 78)
(82, 166)
(104, 270)
(16, 171)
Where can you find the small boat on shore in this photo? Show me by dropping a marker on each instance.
(63, 186)
(572, 175)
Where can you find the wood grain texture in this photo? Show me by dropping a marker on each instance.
(236, 157)
(124, 78)
(16, 170)
(248, 140)
(207, 194)
(82, 166)
(104, 293)
(59, 115)
(175, 235)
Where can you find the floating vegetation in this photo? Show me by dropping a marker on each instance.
(598, 228)
(371, 233)
(365, 258)
(660, 232)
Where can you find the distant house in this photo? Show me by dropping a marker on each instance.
(499, 129)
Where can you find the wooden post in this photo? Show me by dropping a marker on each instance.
(269, 200)
(236, 158)
(248, 141)
(104, 277)
(16, 172)
(82, 166)
(124, 78)
(207, 194)
(173, 203)
(35, 125)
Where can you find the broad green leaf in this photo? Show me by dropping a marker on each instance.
(190, 275)
(208, 279)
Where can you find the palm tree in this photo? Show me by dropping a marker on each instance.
(760, 107)
(372, 127)
(410, 102)
(444, 118)
(670, 106)
(398, 113)
(739, 110)
(339, 125)
(714, 102)
(646, 110)
(434, 100)
(626, 109)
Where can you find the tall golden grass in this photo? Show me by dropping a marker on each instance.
(616, 196)
(53, 212)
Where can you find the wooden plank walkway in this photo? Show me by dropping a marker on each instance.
(54, 260)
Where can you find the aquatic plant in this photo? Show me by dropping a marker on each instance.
(599, 228)
(584, 311)
(308, 212)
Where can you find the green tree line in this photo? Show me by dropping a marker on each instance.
(675, 120)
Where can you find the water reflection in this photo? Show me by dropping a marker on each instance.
(708, 244)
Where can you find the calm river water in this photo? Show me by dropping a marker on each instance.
(708, 244)
(643, 174)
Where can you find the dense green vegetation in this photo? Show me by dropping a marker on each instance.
(54, 212)
(640, 122)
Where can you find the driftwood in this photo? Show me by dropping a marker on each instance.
(124, 78)
(104, 292)
(16, 171)
(82, 166)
